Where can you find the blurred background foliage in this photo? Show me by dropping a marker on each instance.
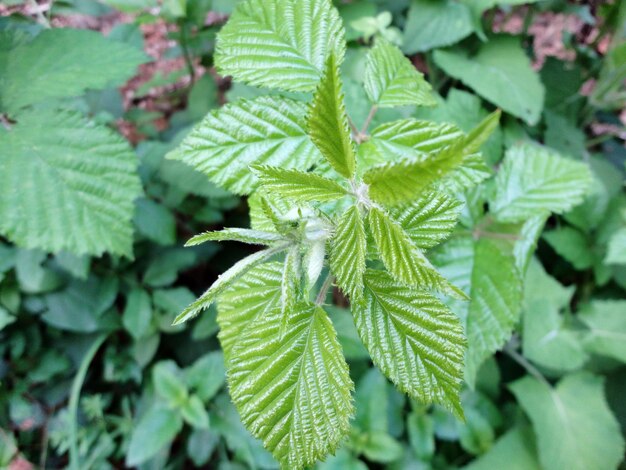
(93, 375)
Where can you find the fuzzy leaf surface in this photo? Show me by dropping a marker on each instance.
(235, 234)
(348, 250)
(293, 392)
(299, 185)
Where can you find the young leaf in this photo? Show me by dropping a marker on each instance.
(392, 80)
(415, 340)
(68, 184)
(328, 123)
(314, 262)
(224, 280)
(282, 44)
(298, 185)
(347, 254)
(574, 426)
(289, 286)
(533, 180)
(429, 220)
(607, 328)
(244, 235)
(267, 130)
(294, 392)
(406, 263)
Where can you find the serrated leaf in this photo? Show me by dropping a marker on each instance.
(575, 428)
(501, 73)
(250, 297)
(606, 320)
(392, 80)
(289, 286)
(293, 393)
(68, 184)
(224, 280)
(244, 235)
(63, 62)
(347, 253)
(413, 338)
(282, 44)
(429, 220)
(328, 122)
(533, 181)
(404, 261)
(268, 130)
(298, 185)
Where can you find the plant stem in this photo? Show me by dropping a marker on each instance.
(321, 296)
(522, 361)
(40, 16)
(75, 395)
(368, 120)
(186, 54)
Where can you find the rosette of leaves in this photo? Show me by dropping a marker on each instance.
(330, 205)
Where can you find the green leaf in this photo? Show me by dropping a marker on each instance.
(156, 429)
(501, 73)
(347, 253)
(267, 130)
(155, 221)
(5, 318)
(606, 321)
(513, 451)
(137, 316)
(406, 263)
(163, 269)
(249, 298)
(328, 122)
(282, 44)
(206, 376)
(392, 80)
(381, 447)
(63, 62)
(289, 286)
(572, 245)
(169, 384)
(574, 426)
(292, 393)
(435, 23)
(194, 413)
(616, 250)
(298, 185)
(429, 220)
(414, 339)
(226, 279)
(533, 181)
(244, 235)
(77, 185)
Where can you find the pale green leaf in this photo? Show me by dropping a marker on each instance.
(472, 171)
(156, 429)
(63, 62)
(414, 339)
(392, 80)
(328, 122)
(244, 235)
(282, 44)
(616, 250)
(572, 245)
(406, 263)
(252, 296)
(575, 428)
(429, 220)
(313, 261)
(513, 451)
(294, 392)
(224, 280)
(435, 23)
(267, 130)
(501, 73)
(67, 184)
(298, 185)
(606, 320)
(347, 254)
(289, 286)
(533, 181)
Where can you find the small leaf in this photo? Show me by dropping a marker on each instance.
(156, 429)
(606, 320)
(169, 384)
(137, 316)
(392, 80)
(616, 250)
(328, 122)
(293, 393)
(194, 413)
(572, 245)
(298, 185)
(255, 237)
(513, 451)
(347, 254)
(289, 286)
(414, 339)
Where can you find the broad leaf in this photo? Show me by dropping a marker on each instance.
(299, 185)
(392, 80)
(328, 122)
(294, 392)
(572, 245)
(533, 181)
(267, 130)
(606, 320)
(244, 235)
(156, 429)
(501, 73)
(574, 426)
(281, 44)
(513, 451)
(415, 340)
(406, 263)
(63, 62)
(67, 185)
(347, 254)
(616, 250)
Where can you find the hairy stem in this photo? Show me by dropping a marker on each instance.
(321, 296)
(368, 120)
